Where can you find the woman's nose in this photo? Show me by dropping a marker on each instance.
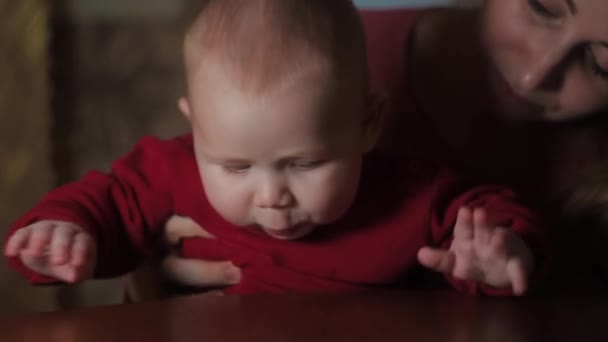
(543, 70)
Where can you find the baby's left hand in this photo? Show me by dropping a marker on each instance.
(483, 252)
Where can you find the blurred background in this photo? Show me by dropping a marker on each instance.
(80, 82)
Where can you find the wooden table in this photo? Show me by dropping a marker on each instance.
(412, 316)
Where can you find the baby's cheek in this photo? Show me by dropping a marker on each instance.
(333, 197)
(230, 202)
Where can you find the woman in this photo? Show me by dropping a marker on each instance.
(511, 92)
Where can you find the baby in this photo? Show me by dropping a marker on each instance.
(280, 169)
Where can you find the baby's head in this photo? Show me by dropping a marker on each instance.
(280, 110)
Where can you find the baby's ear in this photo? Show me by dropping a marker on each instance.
(373, 122)
(184, 107)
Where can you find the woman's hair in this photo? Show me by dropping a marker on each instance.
(581, 233)
(587, 200)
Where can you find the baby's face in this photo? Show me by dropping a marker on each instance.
(286, 161)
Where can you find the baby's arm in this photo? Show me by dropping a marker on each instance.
(121, 211)
(484, 239)
(56, 249)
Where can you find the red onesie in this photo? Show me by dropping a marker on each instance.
(401, 206)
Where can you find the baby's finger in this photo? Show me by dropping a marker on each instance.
(61, 244)
(500, 240)
(483, 229)
(463, 229)
(201, 273)
(40, 238)
(65, 273)
(18, 241)
(438, 260)
(82, 249)
(517, 273)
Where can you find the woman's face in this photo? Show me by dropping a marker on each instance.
(549, 57)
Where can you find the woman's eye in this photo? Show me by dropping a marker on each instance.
(540, 9)
(236, 168)
(307, 165)
(594, 66)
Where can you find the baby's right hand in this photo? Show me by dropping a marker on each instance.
(57, 249)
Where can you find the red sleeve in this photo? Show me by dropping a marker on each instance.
(123, 210)
(503, 205)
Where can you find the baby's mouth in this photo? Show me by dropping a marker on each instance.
(294, 232)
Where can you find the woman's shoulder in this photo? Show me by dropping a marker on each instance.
(387, 33)
(382, 15)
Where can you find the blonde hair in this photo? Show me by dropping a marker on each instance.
(264, 42)
(587, 201)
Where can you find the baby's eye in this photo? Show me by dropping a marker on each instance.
(236, 168)
(307, 164)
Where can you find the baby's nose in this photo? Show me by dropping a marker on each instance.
(273, 195)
